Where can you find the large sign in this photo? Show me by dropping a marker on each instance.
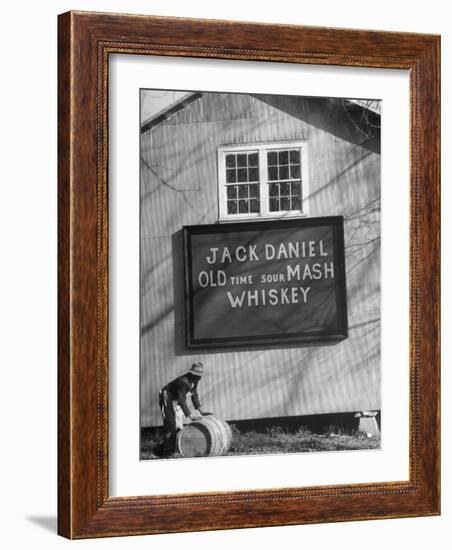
(265, 282)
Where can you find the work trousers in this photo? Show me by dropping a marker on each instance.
(172, 416)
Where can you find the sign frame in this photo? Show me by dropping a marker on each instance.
(336, 222)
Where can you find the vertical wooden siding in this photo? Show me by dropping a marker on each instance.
(179, 187)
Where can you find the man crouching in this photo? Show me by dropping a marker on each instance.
(173, 404)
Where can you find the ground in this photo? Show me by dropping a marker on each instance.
(276, 440)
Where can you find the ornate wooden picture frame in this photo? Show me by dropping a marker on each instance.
(85, 508)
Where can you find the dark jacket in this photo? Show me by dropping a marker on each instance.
(178, 388)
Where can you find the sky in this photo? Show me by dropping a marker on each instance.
(154, 101)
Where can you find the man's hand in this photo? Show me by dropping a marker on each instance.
(195, 415)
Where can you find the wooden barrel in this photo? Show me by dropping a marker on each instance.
(208, 436)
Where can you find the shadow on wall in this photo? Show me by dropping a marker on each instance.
(180, 346)
(179, 296)
(343, 119)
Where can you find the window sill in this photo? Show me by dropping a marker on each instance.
(262, 218)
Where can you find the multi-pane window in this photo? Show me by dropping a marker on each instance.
(242, 183)
(284, 180)
(262, 180)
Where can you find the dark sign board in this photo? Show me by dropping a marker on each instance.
(265, 282)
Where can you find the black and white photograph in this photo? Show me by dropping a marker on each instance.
(259, 274)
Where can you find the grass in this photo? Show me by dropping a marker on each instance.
(276, 440)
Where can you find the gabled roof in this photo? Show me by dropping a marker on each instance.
(170, 110)
(371, 106)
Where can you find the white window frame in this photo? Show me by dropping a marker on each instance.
(261, 148)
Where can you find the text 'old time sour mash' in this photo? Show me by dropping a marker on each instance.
(268, 296)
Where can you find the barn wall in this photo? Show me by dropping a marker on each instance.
(179, 187)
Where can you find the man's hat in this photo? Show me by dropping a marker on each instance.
(197, 369)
